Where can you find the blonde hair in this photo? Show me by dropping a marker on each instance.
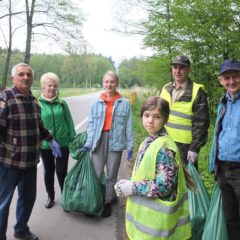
(111, 73)
(49, 76)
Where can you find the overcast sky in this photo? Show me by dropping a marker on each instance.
(99, 20)
(97, 32)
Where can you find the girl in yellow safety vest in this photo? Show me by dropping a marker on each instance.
(157, 204)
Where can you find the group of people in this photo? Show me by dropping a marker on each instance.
(177, 124)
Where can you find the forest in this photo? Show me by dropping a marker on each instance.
(207, 31)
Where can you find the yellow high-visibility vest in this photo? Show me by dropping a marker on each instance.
(153, 218)
(179, 125)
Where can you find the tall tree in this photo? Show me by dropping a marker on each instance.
(29, 20)
(57, 20)
(9, 47)
(8, 39)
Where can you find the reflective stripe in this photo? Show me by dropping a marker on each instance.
(158, 233)
(157, 206)
(178, 126)
(179, 114)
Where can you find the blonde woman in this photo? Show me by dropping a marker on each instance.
(57, 118)
(110, 131)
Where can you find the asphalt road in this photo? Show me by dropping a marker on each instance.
(56, 224)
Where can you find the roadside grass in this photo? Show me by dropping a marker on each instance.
(203, 162)
(68, 92)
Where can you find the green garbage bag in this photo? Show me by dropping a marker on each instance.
(82, 191)
(76, 144)
(215, 226)
(198, 204)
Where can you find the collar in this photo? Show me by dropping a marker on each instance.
(183, 85)
(235, 98)
(112, 100)
(49, 99)
(17, 93)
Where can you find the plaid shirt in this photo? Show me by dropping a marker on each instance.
(21, 129)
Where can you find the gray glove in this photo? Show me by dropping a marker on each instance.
(192, 156)
(124, 186)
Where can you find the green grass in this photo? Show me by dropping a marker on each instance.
(68, 92)
(203, 162)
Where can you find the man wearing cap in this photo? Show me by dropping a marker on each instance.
(189, 114)
(225, 154)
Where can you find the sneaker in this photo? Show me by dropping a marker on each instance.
(107, 210)
(27, 236)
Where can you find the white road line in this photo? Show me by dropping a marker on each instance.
(81, 123)
(76, 128)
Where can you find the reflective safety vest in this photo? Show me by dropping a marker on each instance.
(179, 125)
(153, 218)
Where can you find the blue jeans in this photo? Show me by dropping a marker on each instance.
(25, 181)
(229, 182)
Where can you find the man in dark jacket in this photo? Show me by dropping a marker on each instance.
(189, 114)
(21, 131)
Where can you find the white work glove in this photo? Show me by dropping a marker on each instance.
(192, 156)
(124, 186)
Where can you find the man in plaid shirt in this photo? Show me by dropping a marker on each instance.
(21, 131)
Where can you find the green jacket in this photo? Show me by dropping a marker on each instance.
(57, 118)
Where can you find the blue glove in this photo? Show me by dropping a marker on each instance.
(130, 153)
(85, 149)
(55, 149)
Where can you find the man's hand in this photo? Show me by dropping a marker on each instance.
(55, 149)
(192, 156)
(124, 186)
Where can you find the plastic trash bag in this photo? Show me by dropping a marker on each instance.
(198, 204)
(76, 144)
(215, 226)
(82, 191)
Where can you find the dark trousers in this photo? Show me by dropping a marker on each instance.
(51, 164)
(229, 182)
(25, 181)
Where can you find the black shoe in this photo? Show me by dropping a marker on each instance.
(27, 236)
(49, 203)
(107, 210)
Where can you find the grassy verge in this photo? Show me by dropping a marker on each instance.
(68, 92)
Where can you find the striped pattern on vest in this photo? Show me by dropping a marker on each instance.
(153, 218)
(179, 125)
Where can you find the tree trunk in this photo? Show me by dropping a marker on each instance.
(9, 49)
(29, 17)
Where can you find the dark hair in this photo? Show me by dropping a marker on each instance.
(156, 102)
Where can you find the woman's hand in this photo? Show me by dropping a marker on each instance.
(55, 149)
